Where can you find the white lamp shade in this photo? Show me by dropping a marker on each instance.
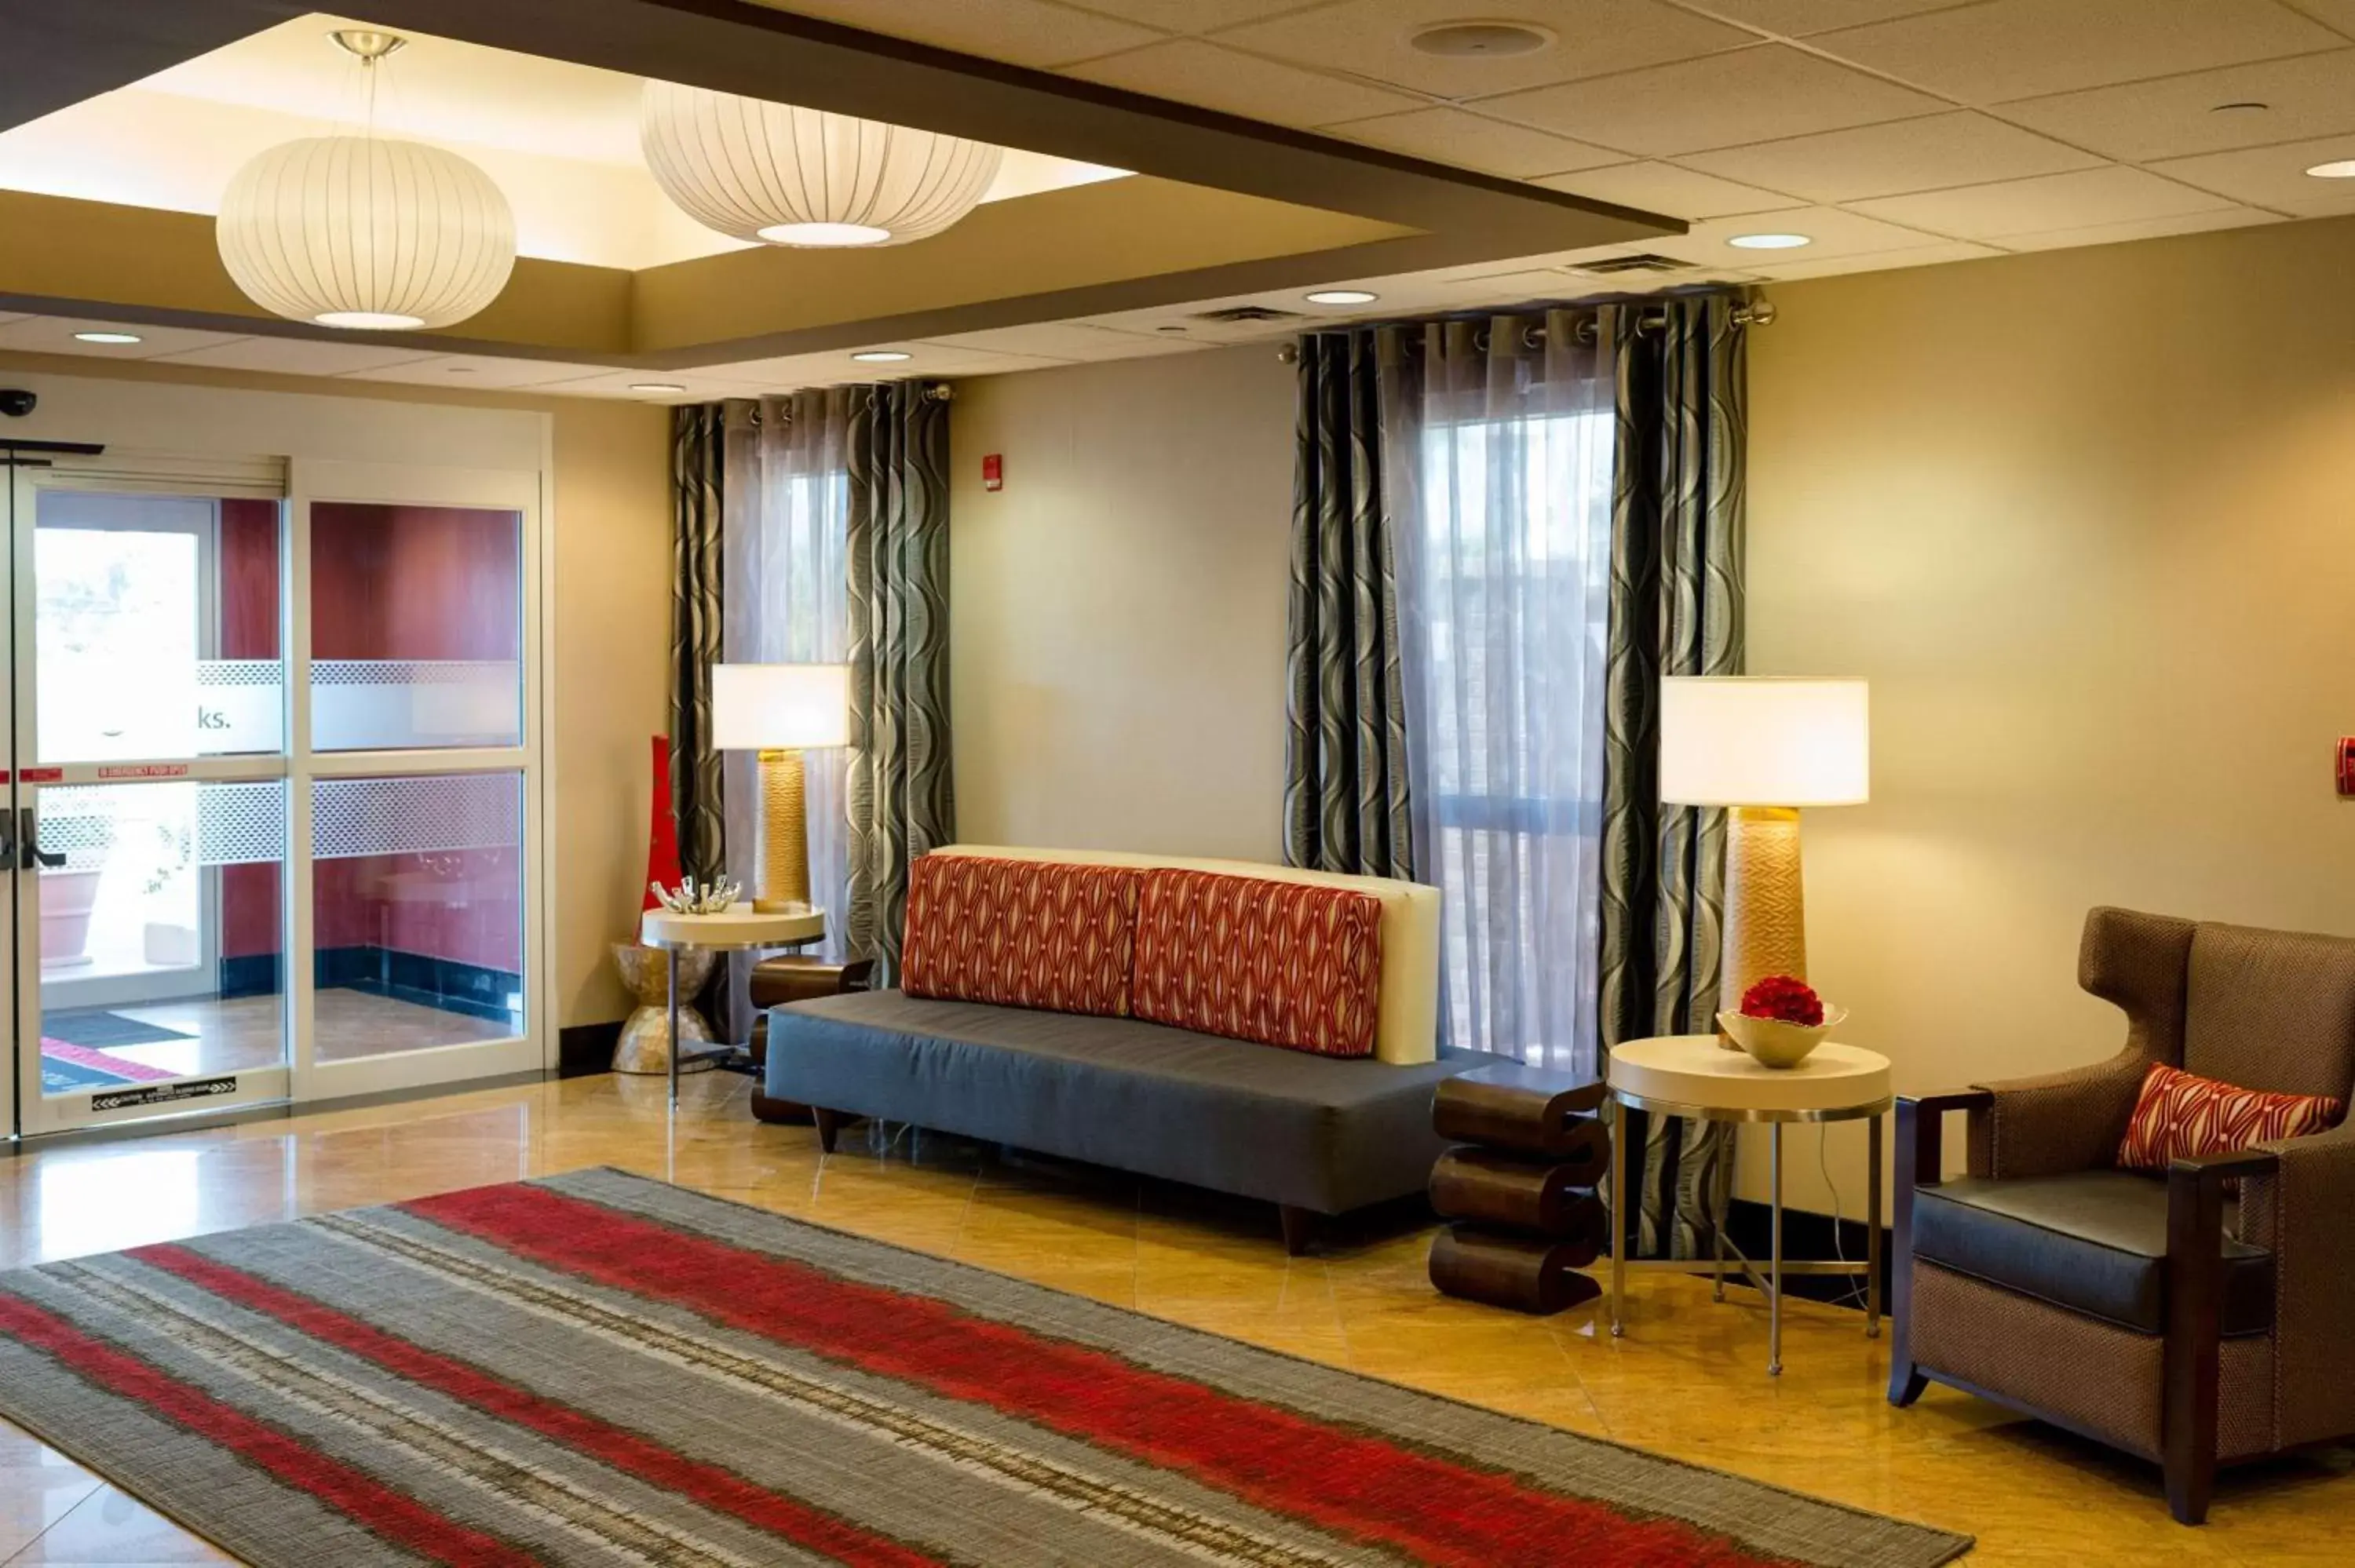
(779, 707)
(1765, 741)
(805, 176)
(355, 231)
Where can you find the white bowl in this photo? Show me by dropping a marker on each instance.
(1771, 1042)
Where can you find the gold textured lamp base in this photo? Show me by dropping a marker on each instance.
(783, 884)
(1765, 903)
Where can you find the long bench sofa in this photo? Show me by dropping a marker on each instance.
(1252, 1029)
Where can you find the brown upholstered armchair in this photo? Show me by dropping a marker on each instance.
(2159, 1315)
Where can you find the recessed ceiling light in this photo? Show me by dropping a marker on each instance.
(1341, 297)
(110, 338)
(2343, 169)
(882, 357)
(1476, 40)
(656, 386)
(1769, 241)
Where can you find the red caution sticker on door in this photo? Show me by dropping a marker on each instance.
(142, 770)
(41, 776)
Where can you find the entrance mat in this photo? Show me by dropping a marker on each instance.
(100, 1028)
(598, 1367)
(68, 1068)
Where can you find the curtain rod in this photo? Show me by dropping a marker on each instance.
(1759, 312)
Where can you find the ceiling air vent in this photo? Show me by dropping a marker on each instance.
(1642, 261)
(1248, 314)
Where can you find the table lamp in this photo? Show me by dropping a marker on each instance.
(781, 711)
(1763, 746)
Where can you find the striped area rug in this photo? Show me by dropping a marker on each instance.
(599, 1369)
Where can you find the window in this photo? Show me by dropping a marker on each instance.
(1507, 598)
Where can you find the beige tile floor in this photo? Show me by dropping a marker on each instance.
(1687, 1382)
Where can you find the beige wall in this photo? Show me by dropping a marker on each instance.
(609, 601)
(2086, 519)
(1118, 608)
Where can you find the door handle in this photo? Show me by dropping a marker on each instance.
(30, 851)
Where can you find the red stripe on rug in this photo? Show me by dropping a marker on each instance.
(375, 1507)
(1442, 1510)
(625, 1450)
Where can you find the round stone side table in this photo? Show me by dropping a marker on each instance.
(1693, 1075)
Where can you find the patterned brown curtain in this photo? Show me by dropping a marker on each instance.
(903, 800)
(1675, 609)
(698, 470)
(1345, 773)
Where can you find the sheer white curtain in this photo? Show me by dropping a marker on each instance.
(1500, 450)
(786, 601)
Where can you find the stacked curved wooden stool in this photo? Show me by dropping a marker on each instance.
(1520, 1189)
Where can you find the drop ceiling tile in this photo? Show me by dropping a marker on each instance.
(1589, 37)
(2006, 49)
(480, 373)
(2146, 229)
(1470, 142)
(694, 387)
(295, 355)
(1194, 15)
(1056, 340)
(1880, 260)
(1191, 71)
(2094, 196)
(1665, 188)
(1720, 100)
(1831, 230)
(1020, 32)
(789, 373)
(1889, 160)
(2271, 176)
(2306, 95)
(1797, 18)
(55, 335)
(2335, 13)
(1527, 288)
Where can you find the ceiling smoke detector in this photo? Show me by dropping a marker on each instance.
(1481, 41)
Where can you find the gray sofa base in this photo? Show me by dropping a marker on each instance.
(1312, 1133)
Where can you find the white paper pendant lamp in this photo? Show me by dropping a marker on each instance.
(352, 231)
(804, 177)
(360, 232)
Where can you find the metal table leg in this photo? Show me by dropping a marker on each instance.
(672, 960)
(1872, 1227)
(1618, 1221)
(1775, 1275)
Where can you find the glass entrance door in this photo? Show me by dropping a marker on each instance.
(271, 825)
(146, 834)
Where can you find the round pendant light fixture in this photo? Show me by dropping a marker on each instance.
(365, 233)
(804, 177)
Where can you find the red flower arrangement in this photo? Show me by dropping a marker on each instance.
(1784, 998)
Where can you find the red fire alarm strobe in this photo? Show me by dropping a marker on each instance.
(993, 473)
(2347, 766)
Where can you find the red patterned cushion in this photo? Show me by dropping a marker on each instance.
(1019, 933)
(1276, 962)
(2182, 1113)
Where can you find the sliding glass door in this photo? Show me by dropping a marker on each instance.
(272, 796)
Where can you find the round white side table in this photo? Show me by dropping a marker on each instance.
(1693, 1075)
(736, 928)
